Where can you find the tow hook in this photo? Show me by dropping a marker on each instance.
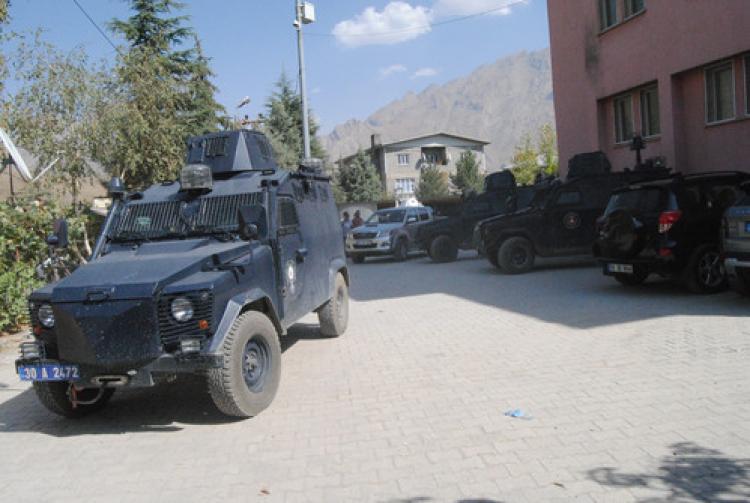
(73, 396)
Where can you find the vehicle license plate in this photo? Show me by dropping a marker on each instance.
(621, 268)
(49, 372)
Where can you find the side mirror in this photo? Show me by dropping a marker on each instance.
(252, 222)
(411, 220)
(59, 238)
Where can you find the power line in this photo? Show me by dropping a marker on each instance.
(425, 26)
(103, 34)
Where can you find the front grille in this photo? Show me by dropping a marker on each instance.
(172, 331)
(365, 235)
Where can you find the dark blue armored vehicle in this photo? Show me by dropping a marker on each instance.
(197, 276)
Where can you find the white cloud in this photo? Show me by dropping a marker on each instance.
(424, 72)
(470, 7)
(390, 70)
(397, 22)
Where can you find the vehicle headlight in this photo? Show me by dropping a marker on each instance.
(182, 309)
(46, 316)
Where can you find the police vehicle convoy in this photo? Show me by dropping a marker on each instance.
(197, 276)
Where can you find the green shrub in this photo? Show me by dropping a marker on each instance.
(24, 227)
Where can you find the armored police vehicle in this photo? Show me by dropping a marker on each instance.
(197, 276)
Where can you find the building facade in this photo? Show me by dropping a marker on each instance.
(400, 163)
(676, 72)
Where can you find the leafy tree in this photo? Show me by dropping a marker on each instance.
(531, 160)
(4, 4)
(205, 114)
(467, 177)
(433, 184)
(56, 110)
(283, 124)
(525, 161)
(359, 181)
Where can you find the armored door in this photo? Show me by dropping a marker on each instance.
(292, 260)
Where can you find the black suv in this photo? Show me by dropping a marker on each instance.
(736, 243)
(560, 220)
(201, 276)
(669, 227)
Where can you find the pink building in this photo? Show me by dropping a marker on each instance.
(675, 71)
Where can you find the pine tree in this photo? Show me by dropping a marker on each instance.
(433, 184)
(359, 180)
(283, 125)
(152, 32)
(467, 177)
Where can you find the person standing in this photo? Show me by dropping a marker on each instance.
(346, 224)
(357, 220)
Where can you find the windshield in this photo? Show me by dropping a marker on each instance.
(175, 219)
(387, 217)
(644, 200)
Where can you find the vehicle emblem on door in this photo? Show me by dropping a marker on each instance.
(572, 220)
(291, 277)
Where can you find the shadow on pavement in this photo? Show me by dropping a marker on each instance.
(159, 409)
(691, 473)
(571, 292)
(425, 499)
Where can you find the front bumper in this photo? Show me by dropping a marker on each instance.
(369, 247)
(141, 377)
(732, 264)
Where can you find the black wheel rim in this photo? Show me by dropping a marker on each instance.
(519, 256)
(710, 270)
(256, 362)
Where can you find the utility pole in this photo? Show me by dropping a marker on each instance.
(305, 14)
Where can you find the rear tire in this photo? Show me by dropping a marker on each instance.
(247, 382)
(55, 396)
(705, 271)
(443, 249)
(516, 256)
(401, 250)
(334, 315)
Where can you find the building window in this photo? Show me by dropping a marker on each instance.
(720, 93)
(623, 118)
(405, 185)
(608, 13)
(403, 159)
(650, 112)
(633, 7)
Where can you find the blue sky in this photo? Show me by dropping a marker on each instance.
(360, 54)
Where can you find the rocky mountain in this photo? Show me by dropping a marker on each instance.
(498, 102)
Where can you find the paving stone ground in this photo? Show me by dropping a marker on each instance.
(636, 394)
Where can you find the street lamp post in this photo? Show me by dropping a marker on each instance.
(305, 14)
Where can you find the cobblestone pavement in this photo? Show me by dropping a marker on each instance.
(627, 395)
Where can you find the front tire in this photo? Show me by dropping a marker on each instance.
(401, 251)
(56, 397)
(247, 382)
(705, 271)
(516, 256)
(443, 249)
(334, 315)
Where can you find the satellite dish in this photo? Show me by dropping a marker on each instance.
(16, 156)
(18, 161)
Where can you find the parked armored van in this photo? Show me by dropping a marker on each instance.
(445, 236)
(202, 275)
